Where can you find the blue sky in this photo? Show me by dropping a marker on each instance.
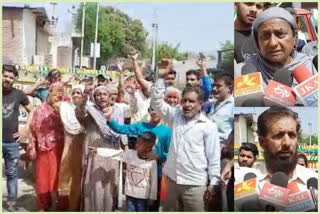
(306, 115)
(197, 26)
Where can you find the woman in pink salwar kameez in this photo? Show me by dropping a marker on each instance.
(47, 139)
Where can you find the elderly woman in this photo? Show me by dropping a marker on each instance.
(172, 96)
(99, 179)
(47, 140)
(275, 40)
(71, 161)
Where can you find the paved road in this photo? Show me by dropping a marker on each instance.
(26, 195)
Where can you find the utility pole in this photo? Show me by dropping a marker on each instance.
(310, 129)
(154, 47)
(54, 20)
(73, 31)
(95, 39)
(82, 32)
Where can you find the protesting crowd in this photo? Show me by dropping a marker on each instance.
(140, 142)
(162, 147)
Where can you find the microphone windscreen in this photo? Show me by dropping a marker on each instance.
(279, 179)
(284, 77)
(248, 69)
(249, 175)
(301, 73)
(293, 187)
(312, 182)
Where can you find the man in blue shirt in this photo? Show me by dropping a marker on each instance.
(221, 109)
(41, 88)
(194, 77)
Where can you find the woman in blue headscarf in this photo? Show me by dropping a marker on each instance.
(275, 39)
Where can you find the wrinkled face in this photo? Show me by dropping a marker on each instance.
(246, 158)
(280, 143)
(55, 95)
(102, 98)
(170, 78)
(113, 96)
(77, 96)
(301, 162)
(154, 116)
(220, 90)
(247, 12)
(276, 41)
(172, 99)
(8, 79)
(89, 87)
(191, 105)
(192, 80)
(102, 81)
(143, 148)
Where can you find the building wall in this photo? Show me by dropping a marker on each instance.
(42, 43)
(29, 25)
(12, 34)
(64, 57)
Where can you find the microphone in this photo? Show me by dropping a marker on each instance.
(293, 187)
(248, 68)
(307, 90)
(304, 200)
(312, 185)
(315, 61)
(246, 192)
(279, 91)
(274, 195)
(248, 86)
(249, 176)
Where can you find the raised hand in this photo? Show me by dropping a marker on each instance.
(120, 64)
(165, 67)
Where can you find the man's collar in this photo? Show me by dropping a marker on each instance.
(298, 173)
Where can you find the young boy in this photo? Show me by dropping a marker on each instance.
(141, 174)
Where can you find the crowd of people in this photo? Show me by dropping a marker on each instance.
(161, 147)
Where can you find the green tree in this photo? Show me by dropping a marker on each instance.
(165, 50)
(116, 31)
(227, 56)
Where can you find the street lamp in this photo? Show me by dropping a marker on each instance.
(82, 32)
(310, 131)
(95, 39)
(154, 40)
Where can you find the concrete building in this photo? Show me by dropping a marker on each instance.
(25, 33)
(245, 127)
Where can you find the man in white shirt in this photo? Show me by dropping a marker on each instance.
(278, 129)
(193, 163)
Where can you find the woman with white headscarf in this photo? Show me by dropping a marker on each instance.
(275, 40)
(71, 161)
(99, 177)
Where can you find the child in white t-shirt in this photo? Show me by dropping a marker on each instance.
(141, 174)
